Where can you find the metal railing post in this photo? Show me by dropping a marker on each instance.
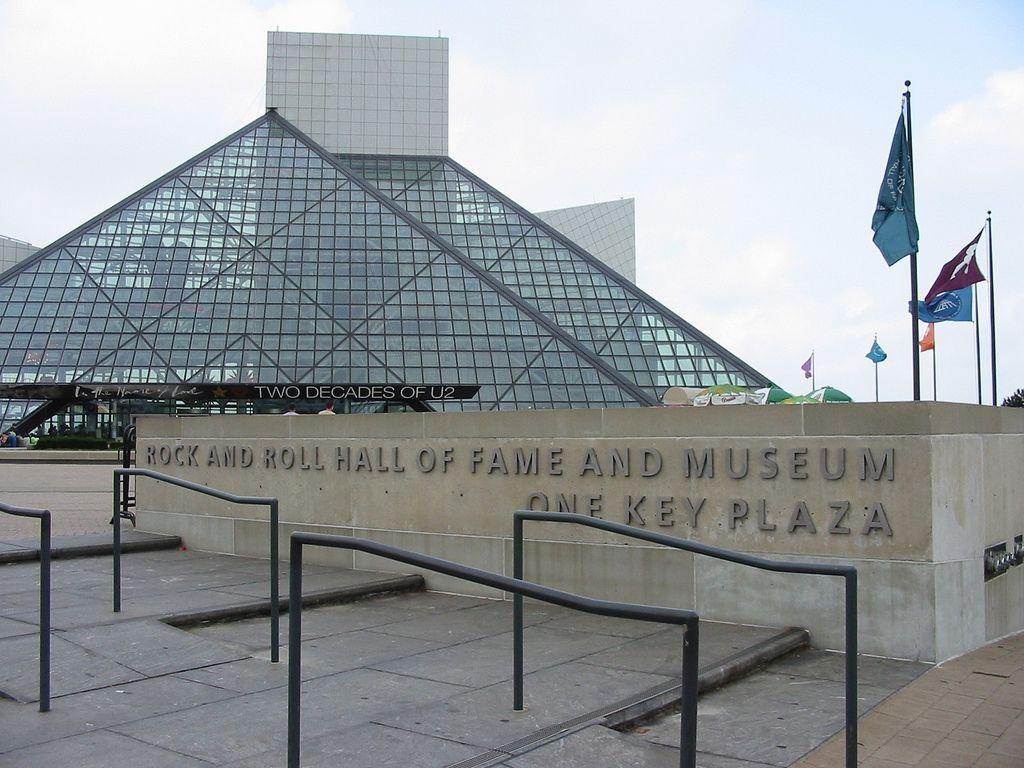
(848, 572)
(43, 516)
(688, 705)
(117, 542)
(677, 616)
(275, 597)
(44, 612)
(851, 669)
(517, 618)
(294, 652)
(274, 522)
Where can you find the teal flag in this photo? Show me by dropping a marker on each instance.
(894, 223)
(877, 354)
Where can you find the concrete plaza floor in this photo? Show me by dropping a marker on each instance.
(423, 679)
(406, 677)
(966, 712)
(79, 496)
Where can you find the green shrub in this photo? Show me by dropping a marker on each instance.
(1016, 400)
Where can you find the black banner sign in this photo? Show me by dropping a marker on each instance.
(393, 393)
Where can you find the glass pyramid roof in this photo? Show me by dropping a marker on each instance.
(266, 260)
(605, 312)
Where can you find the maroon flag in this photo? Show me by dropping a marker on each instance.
(959, 272)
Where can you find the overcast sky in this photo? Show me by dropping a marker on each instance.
(752, 134)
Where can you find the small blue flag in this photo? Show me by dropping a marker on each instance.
(877, 354)
(957, 306)
(894, 222)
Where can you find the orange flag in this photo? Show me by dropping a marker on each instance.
(928, 342)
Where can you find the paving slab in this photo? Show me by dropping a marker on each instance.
(245, 676)
(421, 679)
(98, 749)
(597, 745)
(258, 584)
(13, 627)
(79, 545)
(561, 618)
(483, 662)
(368, 746)
(780, 714)
(151, 648)
(826, 665)
(351, 650)
(661, 653)
(72, 668)
(22, 725)
(967, 711)
(73, 611)
(246, 726)
(484, 717)
(462, 626)
(252, 633)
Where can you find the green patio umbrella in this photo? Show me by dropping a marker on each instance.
(830, 395)
(798, 399)
(725, 394)
(773, 394)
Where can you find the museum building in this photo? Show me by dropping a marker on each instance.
(268, 260)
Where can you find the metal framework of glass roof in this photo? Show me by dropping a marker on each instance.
(266, 259)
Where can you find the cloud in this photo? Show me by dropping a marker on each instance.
(993, 119)
(171, 54)
(103, 96)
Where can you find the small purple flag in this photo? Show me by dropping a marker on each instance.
(959, 272)
(808, 366)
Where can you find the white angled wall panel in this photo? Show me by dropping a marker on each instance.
(12, 251)
(365, 94)
(605, 230)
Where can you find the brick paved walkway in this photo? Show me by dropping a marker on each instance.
(966, 712)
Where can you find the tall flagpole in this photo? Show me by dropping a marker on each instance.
(992, 306)
(935, 378)
(876, 370)
(977, 338)
(913, 262)
(813, 372)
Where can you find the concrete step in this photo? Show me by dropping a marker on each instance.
(590, 735)
(85, 545)
(379, 587)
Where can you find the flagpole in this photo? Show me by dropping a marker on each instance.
(913, 262)
(977, 338)
(935, 379)
(813, 372)
(876, 368)
(992, 305)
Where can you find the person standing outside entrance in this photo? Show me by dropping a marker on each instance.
(328, 411)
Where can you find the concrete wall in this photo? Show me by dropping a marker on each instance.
(13, 251)
(446, 484)
(383, 94)
(605, 230)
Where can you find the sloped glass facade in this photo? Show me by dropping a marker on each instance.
(609, 315)
(266, 260)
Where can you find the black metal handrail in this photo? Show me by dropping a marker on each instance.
(847, 572)
(275, 631)
(43, 515)
(127, 448)
(689, 620)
